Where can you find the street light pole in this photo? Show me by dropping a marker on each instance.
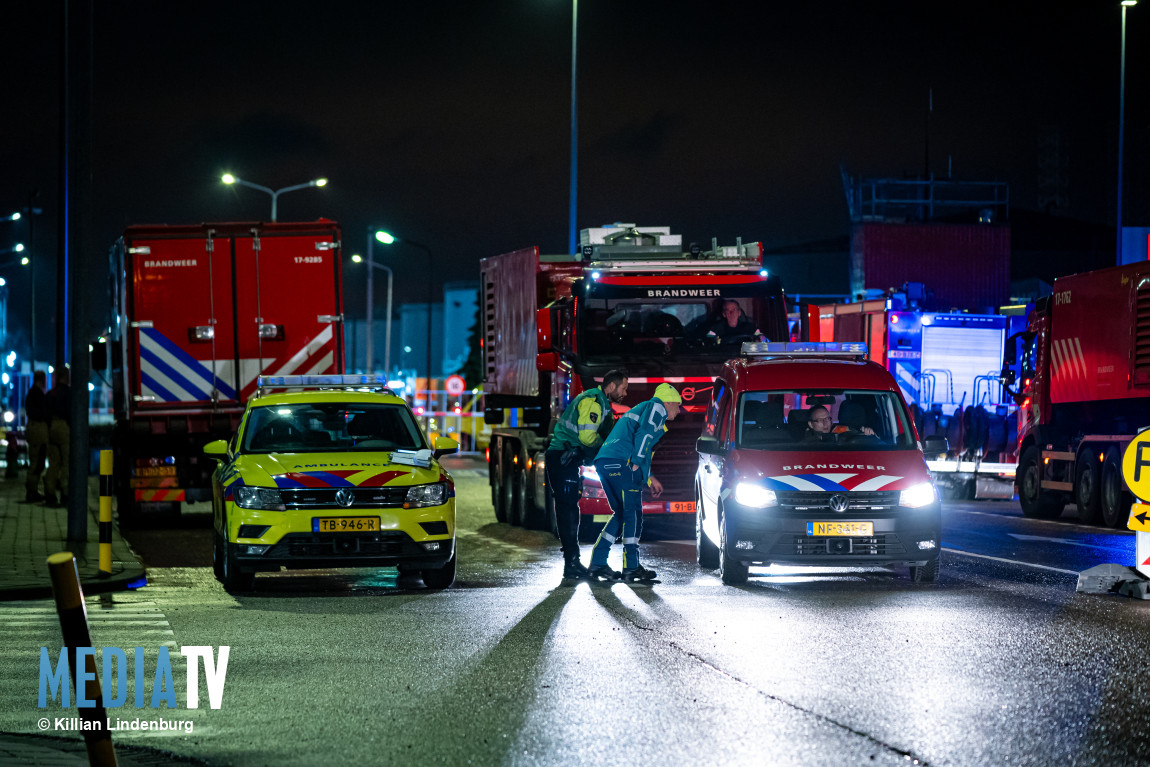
(1121, 124)
(370, 313)
(388, 239)
(228, 178)
(571, 230)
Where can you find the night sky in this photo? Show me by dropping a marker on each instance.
(449, 122)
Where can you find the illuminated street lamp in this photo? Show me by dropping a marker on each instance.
(387, 239)
(372, 236)
(228, 178)
(1122, 121)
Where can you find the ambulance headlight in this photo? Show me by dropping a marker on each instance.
(754, 496)
(267, 498)
(916, 497)
(426, 495)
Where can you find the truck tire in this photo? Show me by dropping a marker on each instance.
(731, 571)
(706, 552)
(1087, 482)
(501, 486)
(1036, 502)
(1115, 498)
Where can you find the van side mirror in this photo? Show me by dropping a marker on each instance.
(710, 446)
(445, 446)
(216, 447)
(935, 445)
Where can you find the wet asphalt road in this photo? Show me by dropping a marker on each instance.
(1001, 662)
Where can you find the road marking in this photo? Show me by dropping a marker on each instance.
(1066, 541)
(1061, 525)
(1010, 561)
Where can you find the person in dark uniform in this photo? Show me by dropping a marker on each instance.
(59, 436)
(36, 412)
(585, 423)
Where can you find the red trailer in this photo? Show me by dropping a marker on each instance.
(1084, 393)
(201, 311)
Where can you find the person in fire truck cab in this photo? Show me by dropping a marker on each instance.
(579, 433)
(624, 467)
(733, 321)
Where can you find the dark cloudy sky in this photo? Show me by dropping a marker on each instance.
(448, 122)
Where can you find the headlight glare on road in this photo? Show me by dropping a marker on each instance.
(267, 498)
(922, 494)
(754, 496)
(426, 495)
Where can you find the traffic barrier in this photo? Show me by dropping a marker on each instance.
(74, 627)
(105, 513)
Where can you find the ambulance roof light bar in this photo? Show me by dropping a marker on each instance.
(375, 383)
(803, 349)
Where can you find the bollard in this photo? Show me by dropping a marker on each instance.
(74, 626)
(105, 513)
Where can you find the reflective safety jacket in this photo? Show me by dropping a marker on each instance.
(635, 436)
(584, 423)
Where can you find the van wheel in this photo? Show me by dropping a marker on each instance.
(731, 570)
(235, 578)
(442, 577)
(218, 557)
(706, 552)
(1115, 500)
(1036, 502)
(927, 573)
(1087, 481)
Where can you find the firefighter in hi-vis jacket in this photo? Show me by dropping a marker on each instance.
(624, 466)
(581, 429)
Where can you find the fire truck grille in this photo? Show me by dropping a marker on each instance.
(675, 462)
(802, 501)
(325, 497)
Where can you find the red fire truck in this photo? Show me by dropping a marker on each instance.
(1084, 393)
(632, 298)
(947, 365)
(201, 310)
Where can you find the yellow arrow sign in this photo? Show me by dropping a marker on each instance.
(1139, 518)
(1136, 465)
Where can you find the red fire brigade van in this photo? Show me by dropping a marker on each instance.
(848, 486)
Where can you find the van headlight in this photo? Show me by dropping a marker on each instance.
(267, 498)
(426, 495)
(754, 496)
(922, 494)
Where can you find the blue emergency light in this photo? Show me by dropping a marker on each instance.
(803, 349)
(373, 382)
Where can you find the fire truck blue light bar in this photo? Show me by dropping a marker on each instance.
(803, 349)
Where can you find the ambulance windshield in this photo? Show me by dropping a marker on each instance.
(330, 427)
(823, 420)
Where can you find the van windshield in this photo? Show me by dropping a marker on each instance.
(823, 420)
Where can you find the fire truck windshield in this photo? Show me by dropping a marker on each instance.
(674, 328)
